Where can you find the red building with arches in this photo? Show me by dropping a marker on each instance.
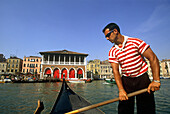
(56, 64)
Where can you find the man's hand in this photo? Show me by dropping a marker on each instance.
(123, 95)
(154, 86)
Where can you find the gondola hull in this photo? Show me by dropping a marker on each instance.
(68, 100)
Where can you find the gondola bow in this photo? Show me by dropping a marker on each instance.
(68, 100)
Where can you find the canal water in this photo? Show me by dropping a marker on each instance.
(21, 98)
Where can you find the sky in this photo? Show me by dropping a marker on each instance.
(28, 27)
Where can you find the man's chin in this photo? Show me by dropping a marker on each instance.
(112, 42)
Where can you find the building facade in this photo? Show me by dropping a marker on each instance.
(31, 65)
(106, 70)
(2, 58)
(94, 66)
(149, 68)
(14, 65)
(64, 63)
(101, 68)
(165, 63)
(3, 68)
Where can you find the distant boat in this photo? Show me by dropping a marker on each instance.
(2, 81)
(110, 80)
(166, 78)
(5, 81)
(76, 81)
(79, 80)
(163, 77)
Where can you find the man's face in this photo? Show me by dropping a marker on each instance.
(110, 35)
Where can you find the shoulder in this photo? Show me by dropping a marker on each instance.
(135, 41)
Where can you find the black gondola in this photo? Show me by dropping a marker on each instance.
(68, 100)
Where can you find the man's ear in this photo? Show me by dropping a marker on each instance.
(115, 31)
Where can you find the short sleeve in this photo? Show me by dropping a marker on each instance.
(112, 56)
(141, 45)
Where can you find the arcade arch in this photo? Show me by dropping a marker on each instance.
(72, 73)
(47, 72)
(80, 73)
(64, 73)
(56, 73)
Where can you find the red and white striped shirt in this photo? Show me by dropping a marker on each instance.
(129, 56)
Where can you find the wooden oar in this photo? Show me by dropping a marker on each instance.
(106, 102)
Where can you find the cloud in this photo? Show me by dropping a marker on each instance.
(159, 16)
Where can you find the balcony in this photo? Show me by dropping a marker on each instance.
(62, 63)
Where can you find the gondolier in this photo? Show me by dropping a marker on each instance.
(129, 53)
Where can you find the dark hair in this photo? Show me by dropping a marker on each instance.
(112, 26)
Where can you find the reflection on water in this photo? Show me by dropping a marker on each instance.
(22, 97)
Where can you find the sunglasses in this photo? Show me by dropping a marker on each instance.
(108, 35)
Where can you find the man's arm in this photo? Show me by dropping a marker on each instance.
(154, 63)
(122, 92)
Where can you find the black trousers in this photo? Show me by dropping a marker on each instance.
(145, 102)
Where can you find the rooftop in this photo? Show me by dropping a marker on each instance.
(63, 52)
(32, 57)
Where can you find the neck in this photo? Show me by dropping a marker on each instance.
(119, 40)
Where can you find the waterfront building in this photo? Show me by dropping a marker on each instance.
(14, 65)
(101, 68)
(31, 65)
(106, 70)
(149, 68)
(2, 58)
(63, 63)
(3, 68)
(93, 67)
(165, 63)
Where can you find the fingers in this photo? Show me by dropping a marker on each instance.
(154, 86)
(126, 98)
(123, 97)
(157, 88)
(152, 89)
(149, 89)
